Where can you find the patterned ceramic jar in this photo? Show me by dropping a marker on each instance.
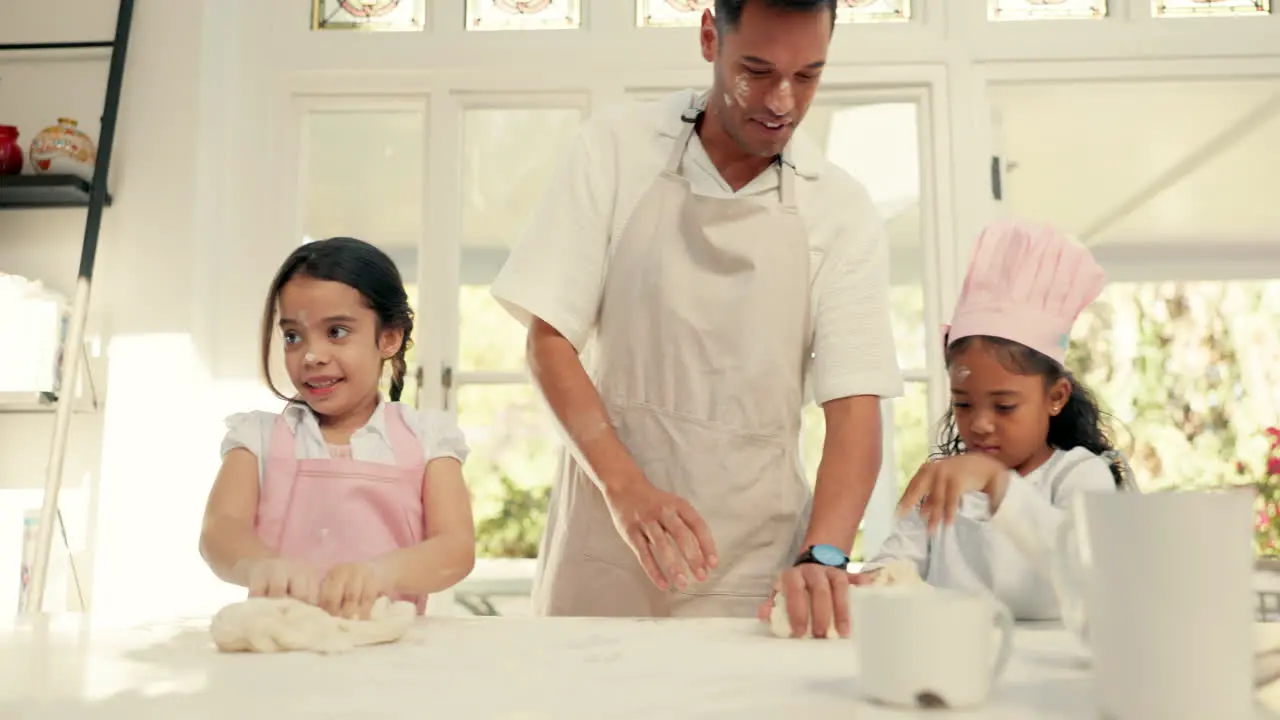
(10, 151)
(63, 150)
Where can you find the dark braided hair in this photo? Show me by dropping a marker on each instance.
(357, 264)
(1081, 423)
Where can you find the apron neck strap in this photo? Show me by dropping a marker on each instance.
(690, 118)
(786, 178)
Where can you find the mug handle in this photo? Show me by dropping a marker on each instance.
(1004, 623)
(1068, 578)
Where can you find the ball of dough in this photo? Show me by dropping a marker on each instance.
(268, 625)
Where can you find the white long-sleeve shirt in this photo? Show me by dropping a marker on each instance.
(1008, 553)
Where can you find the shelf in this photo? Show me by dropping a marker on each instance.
(57, 45)
(19, 192)
(37, 402)
(12, 403)
(33, 402)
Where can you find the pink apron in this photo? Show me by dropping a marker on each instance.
(338, 510)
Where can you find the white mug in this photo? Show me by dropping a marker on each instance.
(1159, 587)
(925, 648)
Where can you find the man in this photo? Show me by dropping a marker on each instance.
(719, 265)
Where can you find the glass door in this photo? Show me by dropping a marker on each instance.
(362, 174)
(510, 144)
(881, 138)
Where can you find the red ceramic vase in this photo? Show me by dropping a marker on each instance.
(10, 151)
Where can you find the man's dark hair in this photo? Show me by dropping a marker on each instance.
(729, 12)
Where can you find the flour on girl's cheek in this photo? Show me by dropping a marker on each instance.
(959, 374)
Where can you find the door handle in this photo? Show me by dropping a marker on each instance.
(446, 383)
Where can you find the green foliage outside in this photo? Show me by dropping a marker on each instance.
(513, 530)
(1190, 372)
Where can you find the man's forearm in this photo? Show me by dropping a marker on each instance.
(557, 370)
(847, 472)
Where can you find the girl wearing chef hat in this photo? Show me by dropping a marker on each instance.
(1022, 436)
(342, 497)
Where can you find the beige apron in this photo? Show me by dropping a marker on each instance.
(700, 354)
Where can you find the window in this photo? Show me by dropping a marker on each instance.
(1209, 8)
(878, 143)
(402, 15)
(1189, 372)
(1045, 9)
(671, 13)
(515, 454)
(523, 14)
(363, 177)
(509, 152)
(859, 11)
(1185, 157)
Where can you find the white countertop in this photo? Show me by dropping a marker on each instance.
(508, 668)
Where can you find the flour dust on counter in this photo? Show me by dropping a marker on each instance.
(268, 625)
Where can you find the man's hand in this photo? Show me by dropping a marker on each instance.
(668, 536)
(814, 594)
(858, 579)
(938, 486)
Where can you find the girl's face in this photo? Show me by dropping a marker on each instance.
(333, 348)
(1003, 413)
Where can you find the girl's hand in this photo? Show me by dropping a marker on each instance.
(938, 486)
(349, 590)
(278, 578)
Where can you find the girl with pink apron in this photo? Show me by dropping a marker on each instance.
(325, 502)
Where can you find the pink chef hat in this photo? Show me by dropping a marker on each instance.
(1026, 283)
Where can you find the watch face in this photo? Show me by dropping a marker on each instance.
(829, 555)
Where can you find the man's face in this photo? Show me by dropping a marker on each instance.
(766, 72)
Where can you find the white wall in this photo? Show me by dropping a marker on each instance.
(154, 445)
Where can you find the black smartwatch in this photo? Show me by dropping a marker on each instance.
(827, 555)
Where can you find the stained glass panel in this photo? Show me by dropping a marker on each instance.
(401, 15)
(1045, 9)
(1215, 8)
(524, 14)
(873, 11)
(671, 13)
